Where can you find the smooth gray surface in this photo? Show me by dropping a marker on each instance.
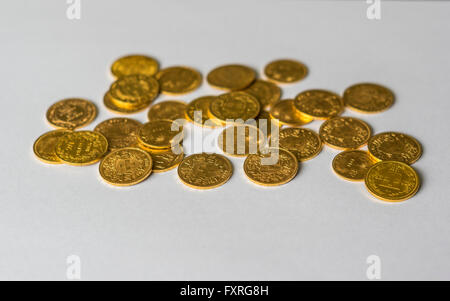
(318, 227)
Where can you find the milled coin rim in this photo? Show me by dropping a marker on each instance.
(44, 135)
(353, 108)
(189, 90)
(333, 164)
(369, 129)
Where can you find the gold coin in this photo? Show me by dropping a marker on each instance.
(240, 140)
(205, 171)
(159, 134)
(166, 160)
(393, 146)
(134, 91)
(81, 148)
(234, 105)
(71, 113)
(134, 64)
(319, 104)
(168, 110)
(266, 93)
(178, 80)
(303, 143)
(392, 181)
(285, 113)
(345, 132)
(279, 169)
(120, 132)
(266, 123)
(352, 165)
(231, 77)
(44, 147)
(126, 166)
(285, 71)
(110, 105)
(368, 98)
(201, 106)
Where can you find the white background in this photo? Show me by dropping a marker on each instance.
(317, 227)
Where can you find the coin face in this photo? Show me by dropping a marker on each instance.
(205, 171)
(133, 91)
(278, 172)
(231, 77)
(178, 80)
(126, 166)
(393, 146)
(120, 132)
(234, 105)
(285, 113)
(265, 92)
(159, 134)
(392, 181)
(352, 165)
(368, 98)
(166, 160)
(169, 110)
(44, 147)
(240, 140)
(345, 132)
(71, 113)
(319, 104)
(134, 64)
(110, 105)
(197, 111)
(303, 143)
(285, 71)
(81, 148)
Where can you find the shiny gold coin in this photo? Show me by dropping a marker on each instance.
(240, 140)
(71, 113)
(393, 146)
(120, 132)
(134, 91)
(44, 147)
(159, 134)
(126, 166)
(197, 111)
(166, 160)
(233, 106)
(231, 77)
(285, 113)
(285, 71)
(266, 92)
(178, 80)
(352, 165)
(134, 64)
(392, 181)
(168, 110)
(276, 167)
(368, 98)
(266, 123)
(345, 132)
(303, 143)
(110, 105)
(81, 148)
(205, 171)
(319, 104)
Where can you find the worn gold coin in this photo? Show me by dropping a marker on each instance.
(285, 71)
(285, 113)
(81, 148)
(352, 165)
(71, 113)
(205, 171)
(126, 166)
(240, 140)
(233, 106)
(319, 104)
(120, 132)
(159, 134)
(197, 111)
(44, 146)
(134, 64)
(231, 77)
(267, 93)
(167, 159)
(393, 146)
(345, 132)
(392, 181)
(110, 105)
(134, 91)
(178, 80)
(276, 167)
(303, 143)
(169, 110)
(368, 98)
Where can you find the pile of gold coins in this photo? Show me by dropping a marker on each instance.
(130, 151)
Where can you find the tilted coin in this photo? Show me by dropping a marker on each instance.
(120, 132)
(44, 147)
(319, 104)
(233, 106)
(205, 171)
(159, 134)
(285, 113)
(279, 167)
(266, 92)
(368, 98)
(166, 160)
(110, 105)
(392, 181)
(134, 91)
(197, 111)
(126, 166)
(81, 148)
(352, 165)
(134, 64)
(393, 146)
(240, 140)
(266, 123)
(71, 113)
(285, 71)
(169, 110)
(345, 132)
(303, 143)
(178, 80)
(231, 77)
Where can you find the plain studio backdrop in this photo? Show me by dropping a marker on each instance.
(317, 227)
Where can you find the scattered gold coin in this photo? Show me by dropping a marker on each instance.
(285, 113)
(285, 71)
(266, 123)
(234, 105)
(352, 165)
(169, 110)
(345, 132)
(44, 146)
(71, 113)
(120, 132)
(178, 80)
(166, 160)
(231, 77)
(81, 148)
(159, 134)
(393, 146)
(201, 106)
(368, 98)
(110, 105)
(319, 104)
(240, 140)
(134, 91)
(267, 93)
(303, 143)
(134, 64)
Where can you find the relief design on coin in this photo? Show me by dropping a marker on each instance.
(133, 91)
(134, 64)
(231, 77)
(71, 113)
(285, 113)
(303, 143)
(178, 80)
(234, 105)
(265, 92)
(169, 110)
(159, 134)
(44, 147)
(81, 148)
(285, 71)
(200, 105)
(319, 104)
(393, 146)
(352, 164)
(368, 98)
(164, 161)
(345, 132)
(120, 132)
